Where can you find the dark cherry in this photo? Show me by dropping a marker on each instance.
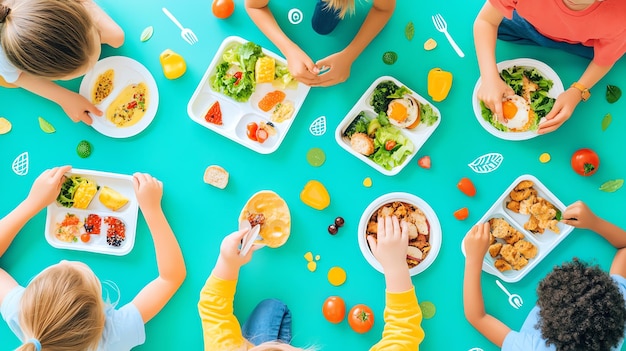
(339, 222)
(332, 229)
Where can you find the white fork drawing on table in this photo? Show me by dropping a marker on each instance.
(442, 26)
(186, 33)
(514, 299)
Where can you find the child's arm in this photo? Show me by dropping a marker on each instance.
(340, 63)
(568, 100)
(74, 105)
(579, 215)
(492, 88)
(476, 245)
(390, 249)
(299, 63)
(43, 192)
(153, 297)
(110, 32)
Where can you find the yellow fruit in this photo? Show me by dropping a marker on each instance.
(367, 182)
(5, 125)
(336, 276)
(173, 64)
(545, 157)
(430, 44)
(311, 266)
(308, 256)
(315, 195)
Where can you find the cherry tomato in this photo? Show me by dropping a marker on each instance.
(251, 130)
(585, 162)
(261, 135)
(467, 187)
(361, 318)
(424, 162)
(390, 144)
(85, 238)
(237, 76)
(461, 214)
(334, 309)
(223, 8)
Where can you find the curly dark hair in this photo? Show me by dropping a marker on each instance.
(580, 308)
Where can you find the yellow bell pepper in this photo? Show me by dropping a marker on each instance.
(315, 195)
(173, 64)
(439, 84)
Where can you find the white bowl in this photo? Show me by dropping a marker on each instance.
(435, 229)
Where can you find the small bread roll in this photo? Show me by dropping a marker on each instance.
(362, 144)
(216, 176)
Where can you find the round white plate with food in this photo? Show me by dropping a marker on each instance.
(424, 229)
(523, 122)
(125, 91)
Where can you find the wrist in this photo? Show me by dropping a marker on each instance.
(583, 91)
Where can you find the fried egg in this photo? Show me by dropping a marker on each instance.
(404, 112)
(517, 113)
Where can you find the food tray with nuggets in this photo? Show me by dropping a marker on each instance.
(525, 227)
(387, 126)
(95, 211)
(424, 229)
(247, 95)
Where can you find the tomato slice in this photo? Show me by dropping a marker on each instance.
(214, 115)
(390, 144)
(261, 135)
(251, 130)
(461, 214)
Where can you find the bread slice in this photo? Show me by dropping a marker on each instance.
(216, 176)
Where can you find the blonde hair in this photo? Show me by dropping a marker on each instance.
(343, 6)
(278, 346)
(46, 38)
(63, 309)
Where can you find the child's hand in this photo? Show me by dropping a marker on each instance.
(561, 111)
(229, 250)
(492, 93)
(46, 187)
(77, 107)
(149, 191)
(390, 247)
(477, 242)
(301, 66)
(339, 69)
(579, 216)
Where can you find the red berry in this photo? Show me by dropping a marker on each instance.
(339, 222)
(332, 229)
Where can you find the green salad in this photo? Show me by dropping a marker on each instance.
(68, 188)
(234, 76)
(387, 91)
(536, 87)
(390, 147)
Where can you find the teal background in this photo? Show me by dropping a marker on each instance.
(177, 150)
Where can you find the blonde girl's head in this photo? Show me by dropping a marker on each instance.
(343, 6)
(62, 309)
(278, 346)
(55, 39)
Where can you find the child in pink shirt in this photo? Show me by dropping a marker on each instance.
(594, 29)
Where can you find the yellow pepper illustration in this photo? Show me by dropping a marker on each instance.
(439, 84)
(173, 64)
(315, 195)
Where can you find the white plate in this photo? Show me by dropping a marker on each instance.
(236, 115)
(555, 91)
(418, 136)
(127, 71)
(433, 221)
(127, 214)
(545, 242)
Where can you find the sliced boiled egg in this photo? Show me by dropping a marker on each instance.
(404, 112)
(517, 113)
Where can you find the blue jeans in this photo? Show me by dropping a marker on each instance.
(324, 20)
(269, 321)
(519, 31)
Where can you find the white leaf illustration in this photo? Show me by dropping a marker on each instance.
(487, 163)
(318, 127)
(20, 164)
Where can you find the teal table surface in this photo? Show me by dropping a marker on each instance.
(177, 150)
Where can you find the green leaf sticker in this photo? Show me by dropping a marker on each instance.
(46, 126)
(606, 121)
(146, 34)
(390, 57)
(613, 93)
(612, 185)
(428, 309)
(409, 31)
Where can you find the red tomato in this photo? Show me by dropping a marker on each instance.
(223, 8)
(424, 162)
(261, 135)
(251, 130)
(237, 76)
(389, 145)
(585, 162)
(85, 238)
(461, 214)
(214, 115)
(334, 309)
(361, 318)
(467, 187)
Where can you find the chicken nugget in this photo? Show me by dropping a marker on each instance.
(412, 231)
(553, 226)
(492, 239)
(502, 265)
(419, 219)
(513, 206)
(524, 184)
(532, 224)
(519, 195)
(386, 211)
(526, 248)
(494, 249)
(513, 237)
(499, 227)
